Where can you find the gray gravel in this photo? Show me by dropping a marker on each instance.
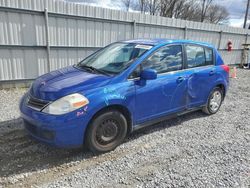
(194, 150)
(9, 100)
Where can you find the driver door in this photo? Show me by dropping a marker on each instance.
(167, 93)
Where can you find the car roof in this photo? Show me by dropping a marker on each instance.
(161, 41)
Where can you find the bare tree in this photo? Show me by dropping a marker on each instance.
(183, 9)
(217, 14)
(82, 1)
(153, 6)
(195, 10)
(204, 7)
(142, 5)
(126, 4)
(167, 8)
(187, 10)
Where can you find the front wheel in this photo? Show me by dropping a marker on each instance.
(214, 101)
(106, 131)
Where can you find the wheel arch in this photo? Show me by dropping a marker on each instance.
(222, 87)
(120, 108)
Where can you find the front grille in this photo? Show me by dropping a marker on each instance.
(36, 104)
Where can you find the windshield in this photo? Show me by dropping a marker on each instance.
(114, 58)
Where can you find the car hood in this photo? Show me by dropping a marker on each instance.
(59, 83)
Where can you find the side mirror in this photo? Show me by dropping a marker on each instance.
(149, 74)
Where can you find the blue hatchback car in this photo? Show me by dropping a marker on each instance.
(123, 87)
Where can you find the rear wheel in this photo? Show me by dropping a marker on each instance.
(106, 131)
(214, 101)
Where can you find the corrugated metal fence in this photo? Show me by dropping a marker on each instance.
(37, 36)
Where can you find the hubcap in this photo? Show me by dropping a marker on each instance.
(107, 132)
(215, 101)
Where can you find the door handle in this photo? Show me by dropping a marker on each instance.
(180, 79)
(212, 72)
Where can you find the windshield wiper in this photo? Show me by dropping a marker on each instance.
(93, 69)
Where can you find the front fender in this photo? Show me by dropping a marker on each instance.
(122, 95)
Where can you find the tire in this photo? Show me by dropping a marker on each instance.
(106, 131)
(214, 101)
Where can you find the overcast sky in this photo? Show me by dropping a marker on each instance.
(236, 8)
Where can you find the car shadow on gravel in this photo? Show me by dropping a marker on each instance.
(21, 154)
(166, 124)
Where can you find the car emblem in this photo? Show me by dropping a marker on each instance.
(43, 83)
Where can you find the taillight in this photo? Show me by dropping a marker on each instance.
(225, 68)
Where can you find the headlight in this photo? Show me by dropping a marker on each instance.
(66, 104)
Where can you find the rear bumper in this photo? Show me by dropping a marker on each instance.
(64, 131)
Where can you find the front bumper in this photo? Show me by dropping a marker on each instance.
(45, 134)
(65, 131)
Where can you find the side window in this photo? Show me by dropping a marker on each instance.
(209, 56)
(195, 56)
(166, 59)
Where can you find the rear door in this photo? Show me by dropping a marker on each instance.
(201, 74)
(165, 94)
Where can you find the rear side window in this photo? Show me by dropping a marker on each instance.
(166, 59)
(198, 56)
(209, 56)
(195, 56)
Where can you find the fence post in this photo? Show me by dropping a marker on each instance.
(134, 28)
(46, 16)
(219, 43)
(185, 32)
(245, 53)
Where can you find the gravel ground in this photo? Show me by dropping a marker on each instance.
(9, 100)
(194, 150)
